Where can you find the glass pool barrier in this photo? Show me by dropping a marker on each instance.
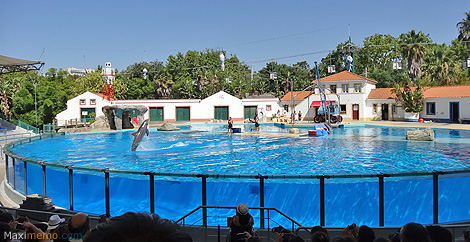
(326, 200)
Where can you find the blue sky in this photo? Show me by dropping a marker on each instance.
(85, 34)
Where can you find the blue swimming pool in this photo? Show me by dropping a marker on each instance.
(207, 149)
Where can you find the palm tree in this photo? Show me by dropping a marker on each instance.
(464, 33)
(413, 51)
(440, 65)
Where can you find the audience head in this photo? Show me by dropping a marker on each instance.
(131, 227)
(319, 236)
(6, 217)
(439, 233)
(414, 232)
(366, 234)
(318, 229)
(4, 228)
(242, 209)
(394, 237)
(466, 235)
(79, 224)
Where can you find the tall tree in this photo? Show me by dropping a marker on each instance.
(439, 65)
(413, 51)
(379, 52)
(464, 33)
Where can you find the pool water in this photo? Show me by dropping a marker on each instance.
(367, 149)
(208, 149)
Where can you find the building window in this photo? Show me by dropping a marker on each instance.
(357, 88)
(430, 108)
(342, 108)
(92, 101)
(394, 108)
(333, 88)
(374, 108)
(268, 107)
(82, 102)
(345, 88)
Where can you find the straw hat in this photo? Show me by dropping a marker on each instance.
(242, 209)
(54, 222)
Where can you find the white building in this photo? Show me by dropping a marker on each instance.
(360, 100)
(218, 106)
(78, 72)
(357, 95)
(350, 89)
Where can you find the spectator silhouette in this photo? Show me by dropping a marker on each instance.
(366, 234)
(319, 234)
(62, 233)
(414, 232)
(79, 225)
(241, 222)
(138, 227)
(439, 233)
(4, 229)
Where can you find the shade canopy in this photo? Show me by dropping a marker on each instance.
(317, 104)
(9, 64)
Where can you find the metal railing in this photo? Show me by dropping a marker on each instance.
(76, 122)
(262, 210)
(380, 178)
(28, 127)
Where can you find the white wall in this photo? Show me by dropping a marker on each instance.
(200, 110)
(443, 108)
(74, 107)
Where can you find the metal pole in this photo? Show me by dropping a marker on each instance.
(43, 180)
(152, 192)
(261, 198)
(71, 186)
(14, 168)
(381, 199)
(204, 198)
(35, 103)
(6, 168)
(292, 101)
(106, 192)
(25, 180)
(435, 179)
(322, 199)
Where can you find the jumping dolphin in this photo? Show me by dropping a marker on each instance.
(140, 134)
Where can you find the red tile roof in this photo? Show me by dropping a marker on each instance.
(300, 97)
(428, 92)
(448, 91)
(382, 93)
(100, 95)
(346, 76)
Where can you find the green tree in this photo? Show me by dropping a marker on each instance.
(439, 65)
(464, 31)
(413, 51)
(378, 52)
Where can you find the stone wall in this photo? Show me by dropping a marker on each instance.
(117, 117)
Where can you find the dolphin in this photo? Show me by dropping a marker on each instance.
(140, 134)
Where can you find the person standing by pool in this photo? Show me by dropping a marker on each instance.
(256, 123)
(230, 125)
